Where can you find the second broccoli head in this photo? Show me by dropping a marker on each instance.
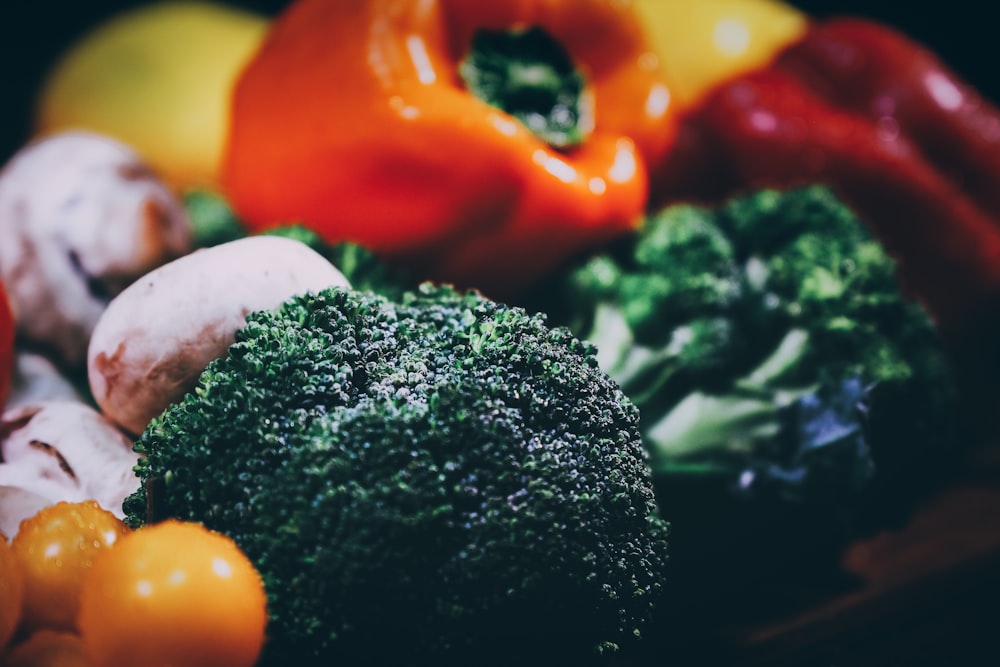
(432, 481)
(780, 370)
(765, 341)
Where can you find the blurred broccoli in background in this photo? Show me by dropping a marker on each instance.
(363, 268)
(213, 222)
(778, 369)
(443, 480)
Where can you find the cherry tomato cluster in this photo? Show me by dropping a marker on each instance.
(79, 589)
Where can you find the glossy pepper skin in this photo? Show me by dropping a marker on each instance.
(861, 107)
(702, 43)
(353, 119)
(6, 346)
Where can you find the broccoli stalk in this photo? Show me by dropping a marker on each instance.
(440, 480)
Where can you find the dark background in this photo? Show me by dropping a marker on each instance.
(34, 32)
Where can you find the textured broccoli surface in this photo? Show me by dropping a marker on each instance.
(779, 371)
(442, 480)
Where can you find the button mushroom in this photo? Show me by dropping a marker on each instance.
(159, 334)
(62, 450)
(81, 216)
(36, 378)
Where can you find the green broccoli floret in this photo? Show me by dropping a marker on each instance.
(213, 221)
(440, 480)
(364, 270)
(774, 360)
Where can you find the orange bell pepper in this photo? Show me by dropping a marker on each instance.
(407, 126)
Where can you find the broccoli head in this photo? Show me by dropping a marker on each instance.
(438, 480)
(779, 369)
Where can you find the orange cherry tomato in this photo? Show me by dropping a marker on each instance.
(11, 592)
(48, 648)
(56, 548)
(174, 593)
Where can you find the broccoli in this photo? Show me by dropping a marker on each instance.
(439, 480)
(364, 270)
(778, 367)
(213, 221)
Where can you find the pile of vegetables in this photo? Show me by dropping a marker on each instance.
(848, 103)
(446, 469)
(901, 138)
(434, 320)
(540, 505)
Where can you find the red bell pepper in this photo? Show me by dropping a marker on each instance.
(879, 118)
(901, 86)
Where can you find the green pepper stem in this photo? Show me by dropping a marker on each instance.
(528, 74)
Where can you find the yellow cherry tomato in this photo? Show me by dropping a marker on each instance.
(174, 593)
(702, 43)
(56, 549)
(48, 648)
(11, 592)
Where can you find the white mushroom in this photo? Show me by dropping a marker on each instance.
(65, 450)
(81, 216)
(159, 334)
(36, 378)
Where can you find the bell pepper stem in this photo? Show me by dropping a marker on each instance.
(528, 74)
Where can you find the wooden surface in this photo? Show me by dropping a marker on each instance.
(927, 593)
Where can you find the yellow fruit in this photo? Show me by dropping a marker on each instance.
(704, 42)
(158, 78)
(55, 551)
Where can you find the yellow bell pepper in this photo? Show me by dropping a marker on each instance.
(702, 43)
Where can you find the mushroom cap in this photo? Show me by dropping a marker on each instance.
(155, 338)
(82, 216)
(64, 451)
